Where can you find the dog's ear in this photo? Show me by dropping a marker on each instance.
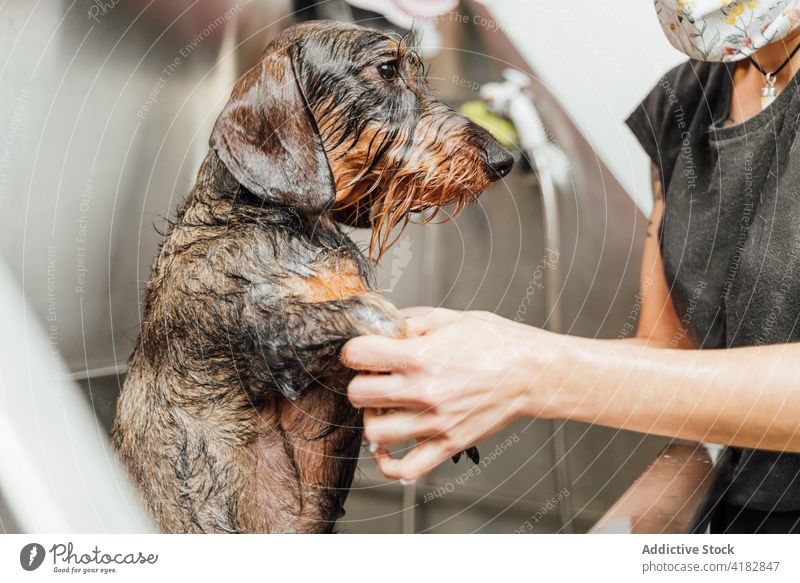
(268, 139)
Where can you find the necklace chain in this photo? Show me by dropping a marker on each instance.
(769, 93)
(770, 77)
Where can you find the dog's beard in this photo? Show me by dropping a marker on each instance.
(411, 195)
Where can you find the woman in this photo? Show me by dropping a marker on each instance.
(722, 262)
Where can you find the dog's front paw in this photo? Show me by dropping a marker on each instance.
(376, 316)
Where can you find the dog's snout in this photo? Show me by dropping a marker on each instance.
(499, 161)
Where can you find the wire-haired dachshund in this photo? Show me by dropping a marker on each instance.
(234, 415)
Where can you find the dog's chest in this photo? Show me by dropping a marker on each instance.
(331, 282)
(323, 271)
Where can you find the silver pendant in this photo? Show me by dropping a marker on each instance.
(768, 93)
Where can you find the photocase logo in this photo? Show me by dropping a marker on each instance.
(31, 556)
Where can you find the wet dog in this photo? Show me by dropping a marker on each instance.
(234, 415)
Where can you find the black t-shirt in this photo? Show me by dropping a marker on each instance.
(730, 235)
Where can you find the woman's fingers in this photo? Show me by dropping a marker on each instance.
(418, 462)
(399, 426)
(417, 311)
(422, 320)
(388, 391)
(376, 353)
(376, 390)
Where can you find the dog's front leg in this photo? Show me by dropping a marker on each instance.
(314, 429)
(367, 314)
(298, 342)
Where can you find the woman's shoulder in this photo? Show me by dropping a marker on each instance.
(688, 95)
(684, 87)
(691, 81)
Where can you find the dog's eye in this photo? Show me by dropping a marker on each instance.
(388, 71)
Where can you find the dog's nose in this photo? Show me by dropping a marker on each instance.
(499, 161)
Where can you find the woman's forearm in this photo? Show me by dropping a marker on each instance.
(460, 377)
(748, 397)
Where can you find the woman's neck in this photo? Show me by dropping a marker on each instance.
(748, 80)
(772, 56)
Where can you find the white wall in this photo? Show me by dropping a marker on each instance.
(600, 58)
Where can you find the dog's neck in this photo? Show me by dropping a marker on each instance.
(214, 178)
(218, 198)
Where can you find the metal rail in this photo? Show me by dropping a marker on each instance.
(671, 496)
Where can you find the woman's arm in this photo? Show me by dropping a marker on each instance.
(659, 325)
(740, 397)
(748, 397)
(471, 374)
(464, 376)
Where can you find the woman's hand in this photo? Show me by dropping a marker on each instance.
(458, 378)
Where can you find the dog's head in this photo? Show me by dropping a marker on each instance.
(338, 118)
